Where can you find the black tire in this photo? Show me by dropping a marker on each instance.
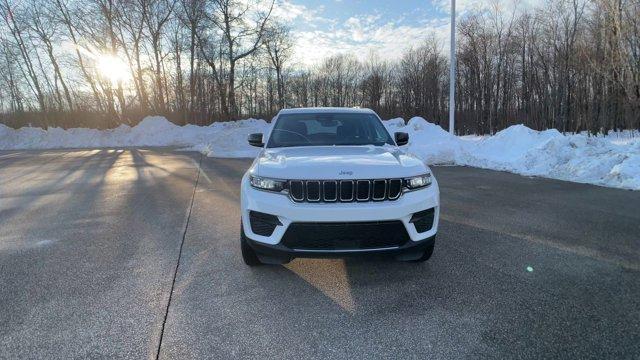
(248, 254)
(428, 251)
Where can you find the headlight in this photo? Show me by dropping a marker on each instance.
(418, 182)
(263, 183)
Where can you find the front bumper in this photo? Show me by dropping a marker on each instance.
(289, 212)
(278, 254)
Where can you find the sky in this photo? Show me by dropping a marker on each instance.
(384, 28)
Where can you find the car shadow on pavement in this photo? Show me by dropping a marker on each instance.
(88, 245)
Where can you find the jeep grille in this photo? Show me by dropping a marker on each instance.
(345, 190)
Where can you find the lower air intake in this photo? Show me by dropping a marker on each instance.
(423, 220)
(345, 235)
(263, 224)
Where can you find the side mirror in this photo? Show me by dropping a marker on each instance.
(255, 140)
(402, 138)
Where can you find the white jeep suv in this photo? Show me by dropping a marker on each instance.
(332, 182)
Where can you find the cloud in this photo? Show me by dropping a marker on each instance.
(362, 34)
(464, 7)
(288, 11)
(367, 34)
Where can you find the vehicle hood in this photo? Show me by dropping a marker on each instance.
(337, 162)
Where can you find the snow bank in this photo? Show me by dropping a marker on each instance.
(611, 160)
(428, 141)
(225, 139)
(605, 160)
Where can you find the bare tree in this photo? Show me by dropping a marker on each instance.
(65, 17)
(44, 26)
(131, 31)
(241, 36)
(192, 16)
(156, 14)
(572, 65)
(9, 15)
(279, 45)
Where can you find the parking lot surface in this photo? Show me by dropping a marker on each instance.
(132, 253)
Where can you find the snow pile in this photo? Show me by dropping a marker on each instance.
(428, 141)
(609, 160)
(225, 139)
(603, 161)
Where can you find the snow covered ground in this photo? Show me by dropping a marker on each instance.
(612, 160)
(226, 139)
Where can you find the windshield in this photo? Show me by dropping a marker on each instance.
(318, 129)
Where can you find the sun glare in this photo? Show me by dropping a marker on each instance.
(112, 68)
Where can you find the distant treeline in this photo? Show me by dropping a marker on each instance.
(572, 65)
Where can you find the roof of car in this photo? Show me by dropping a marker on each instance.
(308, 110)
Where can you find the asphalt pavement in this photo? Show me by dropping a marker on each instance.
(132, 253)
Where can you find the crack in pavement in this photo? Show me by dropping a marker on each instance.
(175, 271)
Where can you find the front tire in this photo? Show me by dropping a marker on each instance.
(248, 254)
(428, 251)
